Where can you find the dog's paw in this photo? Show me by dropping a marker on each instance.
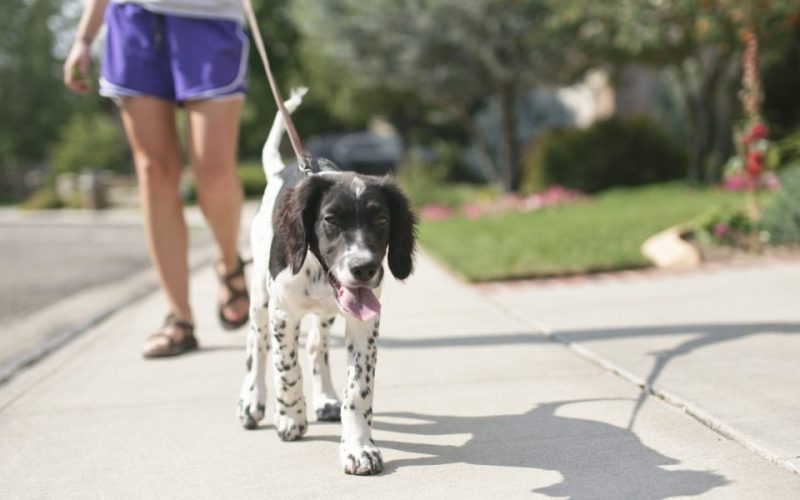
(361, 459)
(291, 428)
(250, 414)
(330, 411)
(252, 404)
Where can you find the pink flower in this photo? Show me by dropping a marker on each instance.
(435, 211)
(739, 182)
(472, 210)
(557, 195)
(531, 203)
(721, 229)
(770, 181)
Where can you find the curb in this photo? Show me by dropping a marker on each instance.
(83, 310)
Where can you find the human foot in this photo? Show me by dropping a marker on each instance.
(234, 300)
(174, 338)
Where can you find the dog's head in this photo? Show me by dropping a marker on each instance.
(349, 222)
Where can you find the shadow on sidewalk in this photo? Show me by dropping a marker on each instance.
(455, 341)
(704, 336)
(595, 460)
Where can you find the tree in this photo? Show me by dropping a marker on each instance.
(33, 99)
(291, 67)
(90, 140)
(700, 42)
(451, 54)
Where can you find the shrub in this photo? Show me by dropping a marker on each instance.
(90, 140)
(789, 149)
(188, 190)
(781, 218)
(608, 154)
(253, 180)
(424, 185)
(42, 199)
(250, 173)
(725, 227)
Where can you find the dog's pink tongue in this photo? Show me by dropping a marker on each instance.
(360, 302)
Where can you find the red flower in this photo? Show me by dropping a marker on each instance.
(758, 132)
(755, 163)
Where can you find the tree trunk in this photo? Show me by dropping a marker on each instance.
(691, 105)
(722, 147)
(487, 165)
(706, 93)
(509, 145)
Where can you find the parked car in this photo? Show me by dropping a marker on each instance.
(362, 152)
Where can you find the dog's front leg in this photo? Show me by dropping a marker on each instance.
(290, 405)
(253, 395)
(358, 452)
(326, 402)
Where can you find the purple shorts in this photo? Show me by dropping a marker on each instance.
(171, 57)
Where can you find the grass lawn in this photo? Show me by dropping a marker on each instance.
(601, 234)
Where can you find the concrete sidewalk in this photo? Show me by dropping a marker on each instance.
(723, 344)
(471, 402)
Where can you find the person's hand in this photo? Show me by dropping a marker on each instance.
(76, 68)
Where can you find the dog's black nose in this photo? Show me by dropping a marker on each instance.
(364, 271)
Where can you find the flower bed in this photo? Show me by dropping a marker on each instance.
(553, 196)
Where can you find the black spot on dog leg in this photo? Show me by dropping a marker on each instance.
(331, 412)
(248, 422)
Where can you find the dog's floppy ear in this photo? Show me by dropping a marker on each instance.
(402, 232)
(295, 215)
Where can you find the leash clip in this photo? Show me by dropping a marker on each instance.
(305, 166)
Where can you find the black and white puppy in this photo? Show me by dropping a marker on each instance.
(318, 247)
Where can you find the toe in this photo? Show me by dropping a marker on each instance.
(366, 462)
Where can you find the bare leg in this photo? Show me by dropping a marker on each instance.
(150, 126)
(213, 137)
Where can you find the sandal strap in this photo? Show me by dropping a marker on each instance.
(184, 326)
(173, 346)
(236, 273)
(235, 293)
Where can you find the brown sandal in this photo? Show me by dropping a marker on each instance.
(173, 347)
(234, 294)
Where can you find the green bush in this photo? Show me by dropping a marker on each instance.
(42, 199)
(725, 227)
(424, 184)
(789, 149)
(611, 153)
(253, 180)
(781, 218)
(250, 173)
(90, 140)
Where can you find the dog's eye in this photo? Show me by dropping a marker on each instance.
(331, 220)
(381, 220)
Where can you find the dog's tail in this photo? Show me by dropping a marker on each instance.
(270, 155)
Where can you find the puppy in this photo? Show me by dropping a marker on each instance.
(318, 246)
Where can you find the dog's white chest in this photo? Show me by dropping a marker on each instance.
(308, 290)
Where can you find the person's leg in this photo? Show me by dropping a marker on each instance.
(213, 137)
(150, 126)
